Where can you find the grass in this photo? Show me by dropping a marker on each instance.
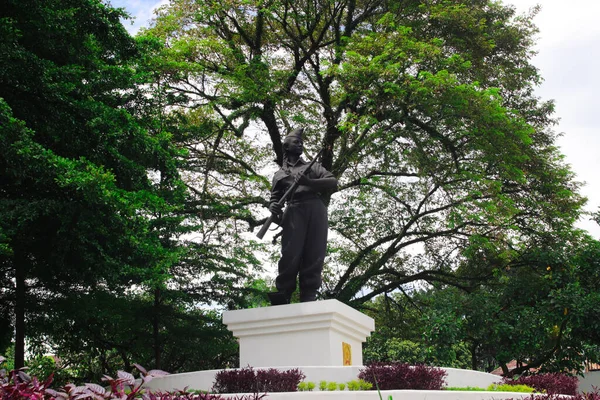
(493, 388)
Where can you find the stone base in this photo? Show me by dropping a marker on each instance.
(317, 333)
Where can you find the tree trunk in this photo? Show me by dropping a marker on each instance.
(155, 329)
(474, 356)
(19, 311)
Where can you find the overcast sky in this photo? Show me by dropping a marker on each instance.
(569, 62)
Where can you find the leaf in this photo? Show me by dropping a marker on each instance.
(95, 388)
(126, 377)
(78, 390)
(51, 392)
(24, 377)
(157, 373)
(140, 368)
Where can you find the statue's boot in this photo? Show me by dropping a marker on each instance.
(279, 298)
(308, 296)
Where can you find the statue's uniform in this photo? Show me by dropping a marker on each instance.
(304, 239)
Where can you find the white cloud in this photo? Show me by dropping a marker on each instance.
(142, 12)
(569, 62)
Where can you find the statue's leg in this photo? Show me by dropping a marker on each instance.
(292, 243)
(315, 247)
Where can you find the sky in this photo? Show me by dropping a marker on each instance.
(568, 58)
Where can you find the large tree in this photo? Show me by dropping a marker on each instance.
(426, 110)
(79, 202)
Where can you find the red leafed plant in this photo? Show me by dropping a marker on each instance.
(551, 383)
(19, 385)
(593, 395)
(248, 380)
(396, 375)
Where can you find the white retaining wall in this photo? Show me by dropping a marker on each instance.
(589, 381)
(203, 380)
(396, 395)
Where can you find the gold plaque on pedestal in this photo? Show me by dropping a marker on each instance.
(347, 353)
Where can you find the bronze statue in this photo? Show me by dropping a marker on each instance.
(304, 222)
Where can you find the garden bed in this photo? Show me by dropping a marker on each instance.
(204, 380)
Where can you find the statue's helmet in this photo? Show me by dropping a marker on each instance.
(298, 132)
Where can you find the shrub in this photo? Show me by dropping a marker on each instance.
(247, 380)
(332, 386)
(390, 376)
(241, 380)
(510, 388)
(359, 384)
(553, 383)
(494, 388)
(342, 386)
(323, 386)
(273, 380)
(364, 385)
(306, 386)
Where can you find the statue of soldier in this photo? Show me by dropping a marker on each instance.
(304, 222)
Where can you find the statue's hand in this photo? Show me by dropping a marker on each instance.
(276, 209)
(302, 179)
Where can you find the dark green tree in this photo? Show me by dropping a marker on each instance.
(78, 201)
(537, 310)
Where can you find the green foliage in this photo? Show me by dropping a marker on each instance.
(465, 389)
(403, 334)
(531, 310)
(428, 112)
(41, 367)
(306, 386)
(364, 385)
(359, 384)
(510, 388)
(493, 388)
(92, 205)
(76, 198)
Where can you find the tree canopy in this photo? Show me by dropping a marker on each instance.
(426, 110)
(531, 311)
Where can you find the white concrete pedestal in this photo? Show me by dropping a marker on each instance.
(317, 333)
